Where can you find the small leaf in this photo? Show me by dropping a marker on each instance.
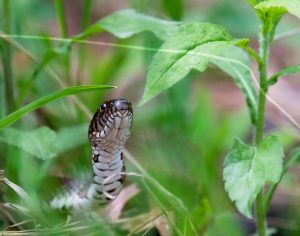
(126, 23)
(291, 6)
(247, 169)
(244, 44)
(286, 71)
(243, 175)
(13, 117)
(39, 142)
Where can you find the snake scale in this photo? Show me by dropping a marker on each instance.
(108, 132)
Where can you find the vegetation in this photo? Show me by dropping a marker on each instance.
(176, 184)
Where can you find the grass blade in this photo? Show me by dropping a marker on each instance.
(13, 117)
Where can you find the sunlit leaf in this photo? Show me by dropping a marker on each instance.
(247, 169)
(193, 46)
(188, 48)
(128, 22)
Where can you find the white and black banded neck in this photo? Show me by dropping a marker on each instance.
(108, 132)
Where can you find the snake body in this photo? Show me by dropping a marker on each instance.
(108, 132)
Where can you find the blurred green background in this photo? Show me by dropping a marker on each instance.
(179, 138)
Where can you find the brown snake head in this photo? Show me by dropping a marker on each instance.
(111, 123)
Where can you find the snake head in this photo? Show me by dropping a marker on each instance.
(111, 122)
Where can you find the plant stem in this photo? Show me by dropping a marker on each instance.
(260, 122)
(7, 59)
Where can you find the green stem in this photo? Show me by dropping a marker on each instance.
(264, 54)
(7, 59)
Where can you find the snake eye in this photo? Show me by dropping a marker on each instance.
(102, 107)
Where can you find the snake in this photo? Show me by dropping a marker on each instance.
(108, 132)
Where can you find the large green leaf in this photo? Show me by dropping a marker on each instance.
(45, 143)
(243, 175)
(128, 22)
(247, 169)
(13, 117)
(193, 46)
(291, 6)
(39, 142)
(184, 50)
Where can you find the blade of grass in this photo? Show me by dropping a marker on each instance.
(7, 58)
(13, 117)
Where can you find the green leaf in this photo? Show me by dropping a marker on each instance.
(126, 23)
(286, 71)
(16, 115)
(270, 13)
(190, 47)
(193, 46)
(243, 175)
(247, 169)
(45, 143)
(244, 44)
(39, 142)
(291, 6)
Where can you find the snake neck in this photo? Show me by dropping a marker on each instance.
(108, 132)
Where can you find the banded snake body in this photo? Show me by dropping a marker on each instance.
(108, 132)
